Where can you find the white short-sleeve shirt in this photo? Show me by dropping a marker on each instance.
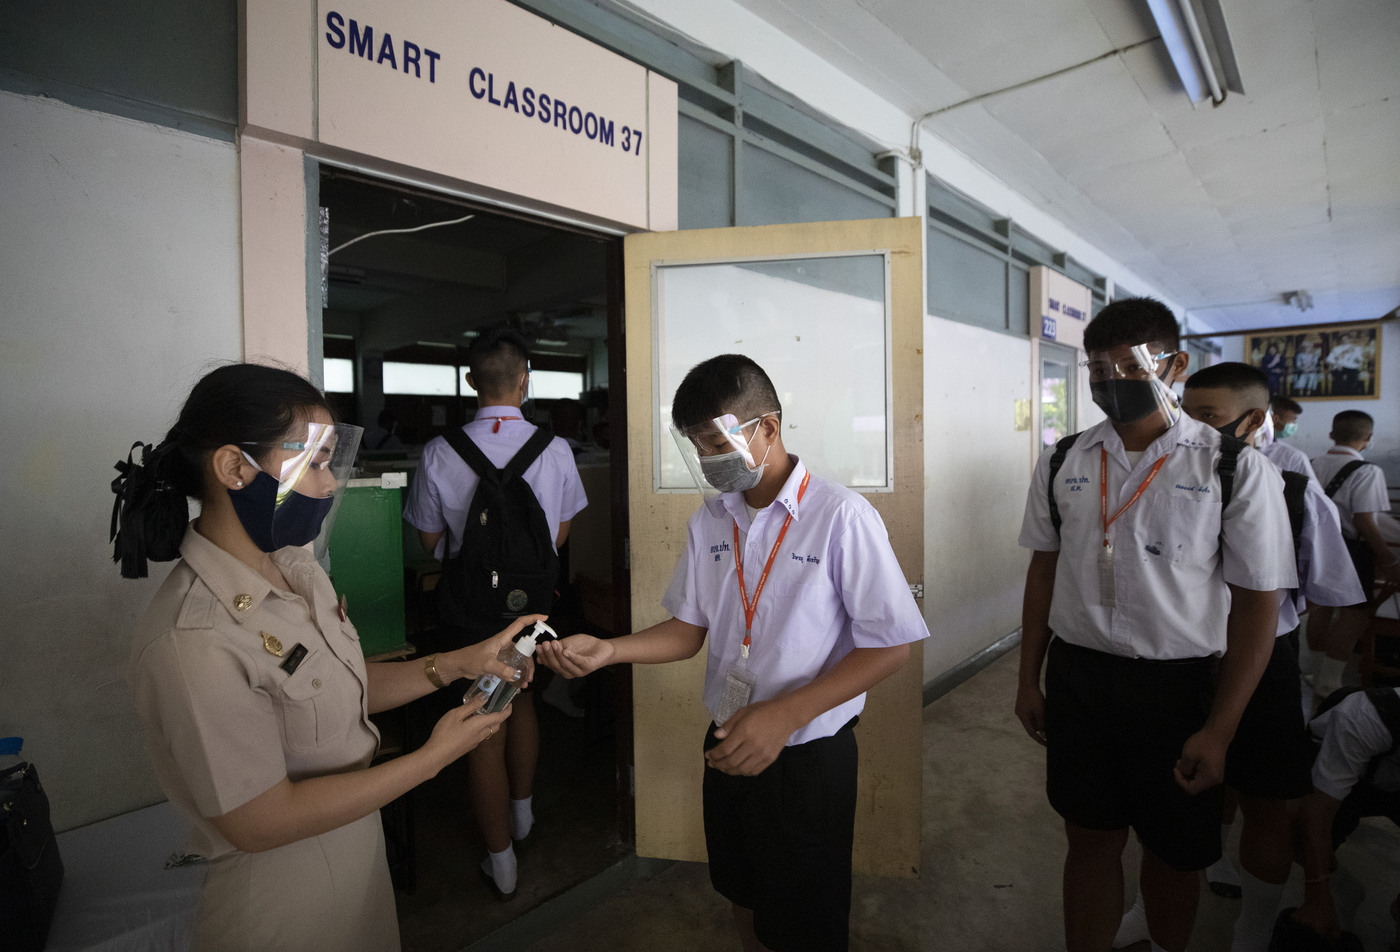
(1363, 491)
(1326, 575)
(1288, 458)
(1352, 734)
(1174, 552)
(442, 489)
(835, 585)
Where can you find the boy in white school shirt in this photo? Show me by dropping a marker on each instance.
(1162, 604)
(810, 563)
(1269, 760)
(1362, 501)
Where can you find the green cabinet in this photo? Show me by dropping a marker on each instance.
(366, 561)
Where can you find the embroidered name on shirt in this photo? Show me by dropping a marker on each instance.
(717, 550)
(1076, 484)
(811, 558)
(1193, 488)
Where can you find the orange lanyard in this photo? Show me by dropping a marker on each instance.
(499, 420)
(750, 607)
(1103, 491)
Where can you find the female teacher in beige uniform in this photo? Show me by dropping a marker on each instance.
(249, 677)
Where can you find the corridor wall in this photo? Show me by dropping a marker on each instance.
(119, 261)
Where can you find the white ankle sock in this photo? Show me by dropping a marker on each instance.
(522, 818)
(1258, 910)
(501, 868)
(1223, 870)
(1133, 927)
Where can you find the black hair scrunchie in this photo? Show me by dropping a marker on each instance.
(148, 516)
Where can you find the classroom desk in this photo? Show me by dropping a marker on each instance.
(117, 895)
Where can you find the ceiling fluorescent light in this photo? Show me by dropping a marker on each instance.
(1200, 56)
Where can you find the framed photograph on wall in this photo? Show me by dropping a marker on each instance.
(1321, 362)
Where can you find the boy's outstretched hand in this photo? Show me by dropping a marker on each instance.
(576, 655)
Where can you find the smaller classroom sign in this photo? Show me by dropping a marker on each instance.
(1060, 306)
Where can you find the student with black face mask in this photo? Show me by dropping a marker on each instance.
(1162, 603)
(248, 676)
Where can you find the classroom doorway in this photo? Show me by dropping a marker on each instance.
(408, 278)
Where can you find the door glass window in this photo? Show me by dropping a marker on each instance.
(819, 327)
(1056, 389)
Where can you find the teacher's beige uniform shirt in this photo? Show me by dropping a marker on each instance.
(225, 722)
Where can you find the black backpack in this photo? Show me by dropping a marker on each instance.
(506, 565)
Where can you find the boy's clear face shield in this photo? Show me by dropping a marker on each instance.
(718, 453)
(1128, 383)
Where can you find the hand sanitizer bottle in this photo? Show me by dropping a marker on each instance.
(499, 691)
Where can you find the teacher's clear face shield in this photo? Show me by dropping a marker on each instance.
(724, 454)
(311, 466)
(1128, 383)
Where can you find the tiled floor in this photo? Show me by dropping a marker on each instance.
(992, 853)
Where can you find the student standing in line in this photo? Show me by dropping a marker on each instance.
(1283, 414)
(501, 772)
(248, 675)
(1269, 760)
(1162, 604)
(791, 655)
(1358, 489)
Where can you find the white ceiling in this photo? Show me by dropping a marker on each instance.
(1294, 185)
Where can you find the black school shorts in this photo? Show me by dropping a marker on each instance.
(780, 843)
(1114, 729)
(1271, 756)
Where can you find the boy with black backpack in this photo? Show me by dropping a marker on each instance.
(1162, 600)
(493, 500)
(1358, 490)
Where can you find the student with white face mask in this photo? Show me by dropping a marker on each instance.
(790, 580)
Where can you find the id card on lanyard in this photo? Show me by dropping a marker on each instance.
(1108, 596)
(739, 681)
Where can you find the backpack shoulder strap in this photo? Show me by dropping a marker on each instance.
(1057, 459)
(1229, 458)
(1342, 475)
(1295, 487)
(1387, 704)
(471, 454)
(528, 453)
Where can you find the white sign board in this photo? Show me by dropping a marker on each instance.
(485, 92)
(1059, 306)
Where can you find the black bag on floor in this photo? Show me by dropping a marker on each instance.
(30, 868)
(1291, 936)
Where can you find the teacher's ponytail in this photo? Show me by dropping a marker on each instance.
(152, 506)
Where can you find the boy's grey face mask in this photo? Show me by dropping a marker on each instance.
(730, 473)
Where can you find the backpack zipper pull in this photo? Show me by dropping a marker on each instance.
(495, 580)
